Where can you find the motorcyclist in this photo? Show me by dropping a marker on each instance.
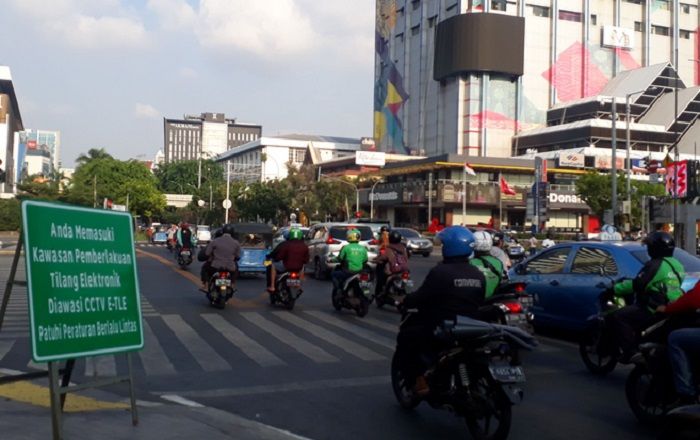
(379, 269)
(393, 260)
(185, 238)
(352, 259)
(490, 266)
(657, 283)
(202, 256)
(290, 255)
(171, 236)
(684, 347)
(497, 250)
(451, 288)
(223, 253)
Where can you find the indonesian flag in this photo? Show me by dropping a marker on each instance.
(507, 189)
(468, 169)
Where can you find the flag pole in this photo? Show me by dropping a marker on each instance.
(464, 196)
(500, 202)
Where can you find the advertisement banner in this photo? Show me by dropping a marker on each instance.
(605, 163)
(574, 160)
(677, 172)
(619, 37)
(371, 158)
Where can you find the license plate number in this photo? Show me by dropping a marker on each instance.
(223, 282)
(507, 373)
(293, 283)
(185, 253)
(408, 283)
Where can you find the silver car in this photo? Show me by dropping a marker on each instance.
(325, 240)
(415, 243)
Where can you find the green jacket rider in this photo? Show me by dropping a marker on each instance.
(490, 266)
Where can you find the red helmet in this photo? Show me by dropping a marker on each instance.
(185, 226)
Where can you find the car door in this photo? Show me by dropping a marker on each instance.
(542, 274)
(584, 283)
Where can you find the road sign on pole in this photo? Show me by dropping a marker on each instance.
(81, 279)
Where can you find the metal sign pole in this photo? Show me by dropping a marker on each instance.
(11, 280)
(134, 413)
(54, 392)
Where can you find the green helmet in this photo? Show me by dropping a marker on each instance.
(295, 234)
(353, 235)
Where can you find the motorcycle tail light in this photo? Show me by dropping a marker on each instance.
(332, 241)
(364, 277)
(294, 275)
(519, 287)
(514, 307)
(374, 241)
(223, 274)
(405, 275)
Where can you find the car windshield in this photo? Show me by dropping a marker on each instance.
(690, 263)
(407, 233)
(252, 241)
(202, 228)
(339, 232)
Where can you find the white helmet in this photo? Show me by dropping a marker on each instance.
(483, 242)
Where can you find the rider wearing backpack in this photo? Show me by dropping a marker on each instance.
(490, 266)
(394, 260)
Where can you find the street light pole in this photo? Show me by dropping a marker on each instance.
(613, 171)
(628, 118)
(228, 184)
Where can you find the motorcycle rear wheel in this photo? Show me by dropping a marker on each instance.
(363, 308)
(495, 405)
(596, 362)
(404, 395)
(647, 396)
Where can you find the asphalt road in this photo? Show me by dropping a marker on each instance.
(315, 372)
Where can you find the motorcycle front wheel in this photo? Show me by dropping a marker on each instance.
(404, 395)
(336, 301)
(493, 418)
(362, 308)
(647, 396)
(596, 360)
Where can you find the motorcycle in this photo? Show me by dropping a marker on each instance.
(397, 285)
(354, 294)
(287, 289)
(475, 374)
(510, 305)
(184, 257)
(220, 288)
(649, 388)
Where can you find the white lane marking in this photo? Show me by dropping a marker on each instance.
(5, 347)
(394, 328)
(261, 355)
(202, 352)
(11, 372)
(304, 347)
(153, 357)
(181, 400)
(352, 328)
(344, 344)
(289, 387)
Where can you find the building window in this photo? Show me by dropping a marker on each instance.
(663, 4)
(638, 26)
(431, 22)
(570, 16)
(682, 33)
(636, 2)
(499, 5)
(296, 155)
(540, 11)
(415, 4)
(660, 30)
(415, 30)
(451, 7)
(399, 37)
(594, 19)
(685, 8)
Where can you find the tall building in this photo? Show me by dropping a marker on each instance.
(38, 152)
(206, 136)
(10, 124)
(464, 76)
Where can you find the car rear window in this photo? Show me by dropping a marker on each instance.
(408, 233)
(690, 263)
(339, 232)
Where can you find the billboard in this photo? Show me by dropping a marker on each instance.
(618, 37)
(371, 158)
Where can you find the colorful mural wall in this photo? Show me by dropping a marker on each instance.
(389, 92)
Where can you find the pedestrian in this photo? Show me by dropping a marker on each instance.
(533, 244)
(548, 241)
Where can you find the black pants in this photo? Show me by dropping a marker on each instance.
(379, 279)
(413, 341)
(628, 323)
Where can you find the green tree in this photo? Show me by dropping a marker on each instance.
(39, 187)
(9, 214)
(92, 154)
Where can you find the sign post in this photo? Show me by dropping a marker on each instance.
(83, 289)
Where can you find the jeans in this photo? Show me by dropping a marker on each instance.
(684, 349)
(339, 276)
(628, 322)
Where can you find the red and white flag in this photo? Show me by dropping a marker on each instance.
(506, 188)
(468, 169)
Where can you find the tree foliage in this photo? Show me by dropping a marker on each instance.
(9, 214)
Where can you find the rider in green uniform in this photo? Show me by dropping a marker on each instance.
(352, 259)
(490, 266)
(657, 284)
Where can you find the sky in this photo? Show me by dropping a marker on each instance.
(106, 72)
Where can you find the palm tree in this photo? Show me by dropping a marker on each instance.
(93, 154)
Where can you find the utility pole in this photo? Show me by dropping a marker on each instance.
(94, 191)
(613, 167)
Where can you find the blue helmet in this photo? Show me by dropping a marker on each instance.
(457, 241)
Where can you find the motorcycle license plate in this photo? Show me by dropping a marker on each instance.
(408, 284)
(507, 373)
(223, 282)
(526, 302)
(293, 283)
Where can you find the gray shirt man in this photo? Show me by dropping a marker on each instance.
(223, 252)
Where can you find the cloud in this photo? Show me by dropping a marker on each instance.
(173, 14)
(146, 111)
(187, 73)
(99, 24)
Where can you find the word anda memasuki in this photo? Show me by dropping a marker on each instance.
(79, 232)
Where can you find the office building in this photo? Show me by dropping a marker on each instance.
(10, 124)
(204, 136)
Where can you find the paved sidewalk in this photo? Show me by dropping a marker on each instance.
(24, 421)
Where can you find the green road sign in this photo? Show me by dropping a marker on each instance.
(82, 282)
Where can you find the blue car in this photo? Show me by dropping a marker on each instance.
(566, 281)
(256, 243)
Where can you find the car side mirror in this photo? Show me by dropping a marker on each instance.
(601, 271)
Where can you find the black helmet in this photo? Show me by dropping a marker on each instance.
(227, 229)
(383, 229)
(497, 238)
(660, 244)
(395, 237)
